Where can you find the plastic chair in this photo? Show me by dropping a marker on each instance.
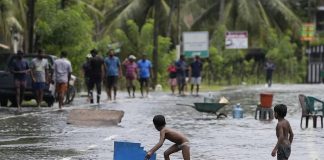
(306, 112)
(315, 105)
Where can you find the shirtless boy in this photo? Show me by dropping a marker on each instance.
(284, 134)
(181, 142)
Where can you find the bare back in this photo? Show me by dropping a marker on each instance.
(174, 136)
(284, 132)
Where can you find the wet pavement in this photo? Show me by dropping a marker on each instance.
(44, 134)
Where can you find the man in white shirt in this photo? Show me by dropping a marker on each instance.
(62, 74)
(39, 70)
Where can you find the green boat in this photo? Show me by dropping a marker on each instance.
(208, 107)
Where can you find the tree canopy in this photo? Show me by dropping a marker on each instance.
(77, 26)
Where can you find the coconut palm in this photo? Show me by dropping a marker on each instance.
(140, 11)
(251, 15)
(10, 23)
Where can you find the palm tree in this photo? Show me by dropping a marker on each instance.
(4, 16)
(251, 15)
(140, 11)
(11, 26)
(103, 12)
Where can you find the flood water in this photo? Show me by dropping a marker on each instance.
(45, 135)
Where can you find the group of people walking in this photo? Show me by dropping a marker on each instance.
(39, 70)
(108, 70)
(98, 70)
(181, 74)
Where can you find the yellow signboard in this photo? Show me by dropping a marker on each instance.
(308, 32)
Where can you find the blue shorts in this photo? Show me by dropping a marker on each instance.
(39, 85)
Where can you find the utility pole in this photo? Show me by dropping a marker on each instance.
(170, 18)
(178, 21)
(179, 48)
(30, 25)
(156, 41)
(221, 11)
(308, 9)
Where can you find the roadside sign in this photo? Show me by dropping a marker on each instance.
(308, 32)
(236, 40)
(195, 43)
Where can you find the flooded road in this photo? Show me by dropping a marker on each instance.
(44, 134)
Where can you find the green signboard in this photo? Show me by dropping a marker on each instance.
(202, 54)
(195, 44)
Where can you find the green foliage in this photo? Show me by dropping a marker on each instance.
(69, 29)
(165, 58)
(137, 41)
(213, 67)
(281, 50)
(102, 45)
(228, 66)
(129, 23)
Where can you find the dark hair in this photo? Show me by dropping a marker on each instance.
(281, 110)
(63, 54)
(40, 51)
(93, 51)
(20, 52)
(159, 121)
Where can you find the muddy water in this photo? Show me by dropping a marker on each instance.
(45, 135)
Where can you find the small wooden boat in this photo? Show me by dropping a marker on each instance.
(208, 107)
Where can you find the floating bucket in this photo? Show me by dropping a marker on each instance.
(266, 100)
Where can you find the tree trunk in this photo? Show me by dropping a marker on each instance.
(221, 11)
(63, 3)
(170, 17)
(155, 41)
(179, 26)
(30, 26)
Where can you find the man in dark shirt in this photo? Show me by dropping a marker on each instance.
(181, 74)
(86, 69)
(19, 67)
(269, 67)
(96, 76)
(195, 74)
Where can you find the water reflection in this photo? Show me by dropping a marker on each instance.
(45, 135)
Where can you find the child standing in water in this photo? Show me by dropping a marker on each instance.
(181, 142)
(284, 134)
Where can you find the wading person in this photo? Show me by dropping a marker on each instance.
(269, 67)
(62, 75)
(172, 76)
(96, 74)
(145, 72)
(19, 67)
(181, 142)
(112, 71)
(39, 74)
(284, 134)
(181, 67)
(131, 74)
(195, 74)
(86, 70)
